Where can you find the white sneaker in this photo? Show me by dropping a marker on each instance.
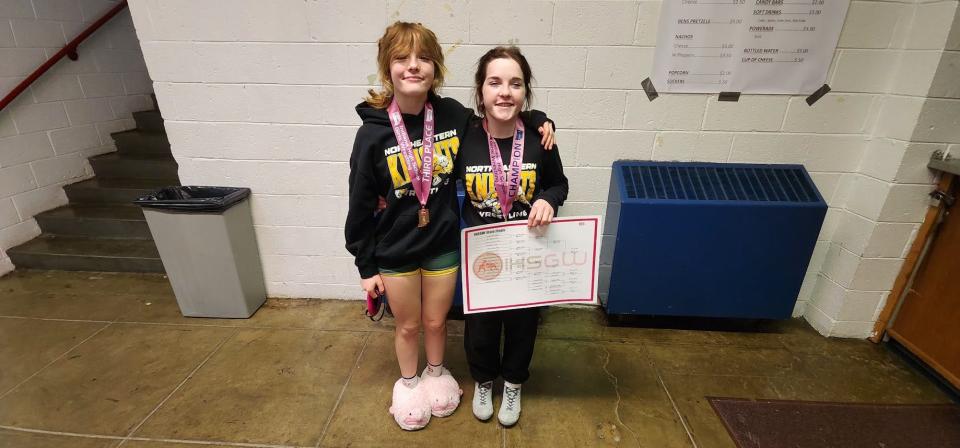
(483, 400)
(510, 406)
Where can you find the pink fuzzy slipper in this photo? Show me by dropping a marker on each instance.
(442, 391)
(410, 407)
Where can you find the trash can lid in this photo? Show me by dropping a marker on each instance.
(199, 199)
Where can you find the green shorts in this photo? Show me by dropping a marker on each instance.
(442, 264)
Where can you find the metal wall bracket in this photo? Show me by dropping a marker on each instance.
(943, 196)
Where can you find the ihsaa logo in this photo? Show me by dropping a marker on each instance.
(488, 265)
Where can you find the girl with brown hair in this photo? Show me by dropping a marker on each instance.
(531, 191)
(405, 152)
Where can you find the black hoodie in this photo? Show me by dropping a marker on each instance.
(541, 177)
(377, 169)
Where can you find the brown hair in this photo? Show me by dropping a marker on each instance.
(399, 39)
(501, 53)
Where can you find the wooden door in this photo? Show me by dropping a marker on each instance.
(928, 323)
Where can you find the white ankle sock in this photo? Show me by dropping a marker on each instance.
(433, 370)
(511, 385)
(411, 382)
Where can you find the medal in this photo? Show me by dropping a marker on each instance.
(506, 186)
(423, 217)
(420, 178)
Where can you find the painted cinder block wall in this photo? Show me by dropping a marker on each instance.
(261, 94)
(67, 115)
(887, 196)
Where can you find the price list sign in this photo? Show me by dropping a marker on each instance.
(747, 46)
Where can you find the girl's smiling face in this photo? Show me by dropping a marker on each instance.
(504, 90)
(412, 74)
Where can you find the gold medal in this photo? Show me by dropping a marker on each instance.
(424, 218)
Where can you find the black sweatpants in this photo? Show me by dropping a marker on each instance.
(481, 342)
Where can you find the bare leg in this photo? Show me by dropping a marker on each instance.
(437, 298)
(404, 296)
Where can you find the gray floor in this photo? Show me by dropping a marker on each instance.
(105, 360)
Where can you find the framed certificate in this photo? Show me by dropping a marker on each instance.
(508, 265)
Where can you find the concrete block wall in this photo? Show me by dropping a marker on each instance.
(262, 96)
(884, 202)
(67, 115)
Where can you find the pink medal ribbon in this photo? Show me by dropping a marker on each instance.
(420, 178)
(506, 186)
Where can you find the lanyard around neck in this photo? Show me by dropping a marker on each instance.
(507, 185)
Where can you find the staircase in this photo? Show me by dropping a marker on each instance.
(100, 229)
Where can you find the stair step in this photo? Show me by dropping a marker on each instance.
(102, 221)
(68, 253)
(149, 120)
(100, 229)
(138, 142)
(116, 165)
(114, 191)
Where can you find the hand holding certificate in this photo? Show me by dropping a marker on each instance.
(508, 265)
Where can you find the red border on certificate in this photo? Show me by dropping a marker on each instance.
(466, 268)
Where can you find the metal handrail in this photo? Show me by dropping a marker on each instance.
(70, 51)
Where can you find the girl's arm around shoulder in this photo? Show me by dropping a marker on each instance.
(535, 119)
(460, 114)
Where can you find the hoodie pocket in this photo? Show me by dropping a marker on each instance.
(401, 228)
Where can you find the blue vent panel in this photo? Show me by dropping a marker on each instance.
(715, 182)
(708, 239)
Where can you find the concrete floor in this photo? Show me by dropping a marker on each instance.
(105, 360)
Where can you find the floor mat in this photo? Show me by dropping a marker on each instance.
(809, 424)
